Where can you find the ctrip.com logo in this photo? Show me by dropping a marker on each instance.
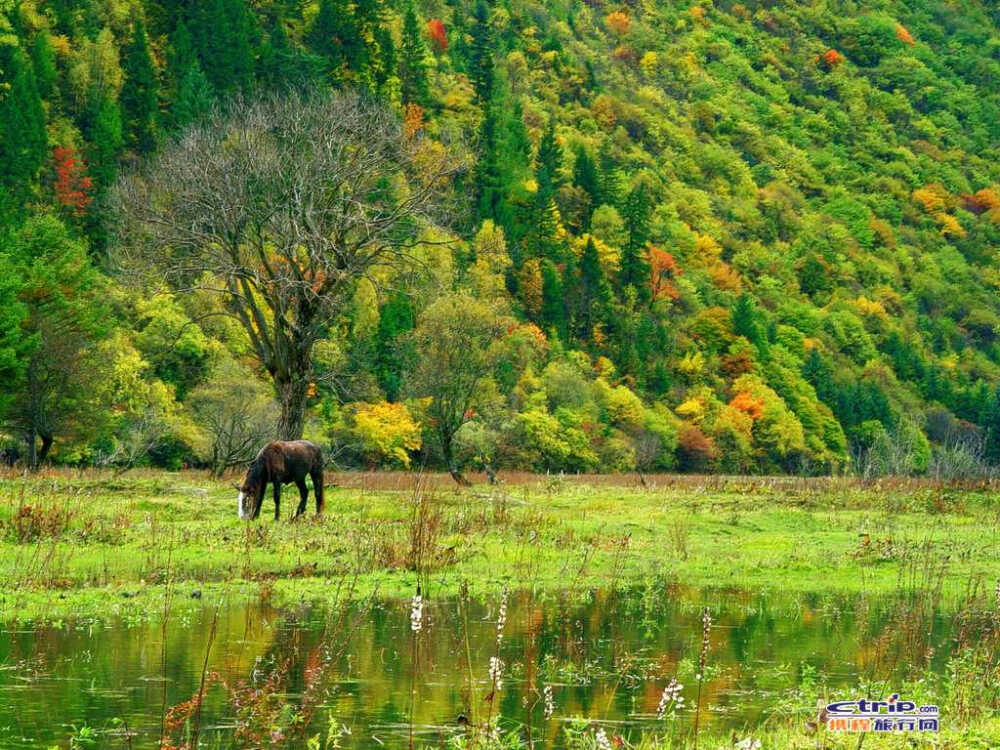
(892, 715)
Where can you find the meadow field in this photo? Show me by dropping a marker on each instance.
(809, 587)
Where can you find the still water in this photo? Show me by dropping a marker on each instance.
(275, 675)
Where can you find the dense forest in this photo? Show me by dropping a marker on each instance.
(654, 236)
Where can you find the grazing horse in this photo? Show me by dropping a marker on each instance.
(281, 463)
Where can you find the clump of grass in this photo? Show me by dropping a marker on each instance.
(32, 523)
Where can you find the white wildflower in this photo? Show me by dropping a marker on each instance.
(671, 698)
(417, 613)
(550, 704)
(496, 672)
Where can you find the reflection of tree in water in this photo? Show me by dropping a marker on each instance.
(605, 656)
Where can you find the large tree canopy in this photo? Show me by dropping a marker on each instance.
(281, 206)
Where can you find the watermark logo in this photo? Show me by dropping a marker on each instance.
(891, 715)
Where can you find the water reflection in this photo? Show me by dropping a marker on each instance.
(607, 655)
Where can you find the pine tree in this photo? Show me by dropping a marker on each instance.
(553, 303)
(385, 63)
(395, 318)
(192, 92)
(548, 160)
(634, 270)
(609, 177)
(332, 31)
(585, 177)
(488, 181)
(22, 126)
(106, 142)
(481, 54)
(222, 31)
(139, 96)
(43, 58)
(413, 60)
(595, 292)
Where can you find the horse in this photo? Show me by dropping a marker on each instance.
(281, 463)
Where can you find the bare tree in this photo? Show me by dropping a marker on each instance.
(281, 206)
(237, 415)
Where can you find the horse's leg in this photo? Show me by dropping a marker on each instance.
(303, 495)
(317, 477)
(277, 500)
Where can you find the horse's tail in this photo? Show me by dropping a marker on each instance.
(317, 477)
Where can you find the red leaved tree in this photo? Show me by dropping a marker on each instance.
(73, 188)
(437, 35)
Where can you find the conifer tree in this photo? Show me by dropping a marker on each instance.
(384, 65)
(413, 60)
(332, 33)
(594, 291)
(192, 92)
(634, 270)
(481, 54)
(222, 31)
(488, 181)
(609, 177)
(43, 58)
(139, 96)
(548, 161)
(553, 302)
(585, 177)
(22, 126)
(106, 142)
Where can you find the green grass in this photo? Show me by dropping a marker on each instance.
(91, 544)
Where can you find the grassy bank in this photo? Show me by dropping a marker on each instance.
(95, 544)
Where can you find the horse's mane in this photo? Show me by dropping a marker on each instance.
(257, 471)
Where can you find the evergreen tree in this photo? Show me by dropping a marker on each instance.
(192, 92)
(547, 162)
(385, 63)
(139, 96)
(333, 32)
(222, 31)
(585, 177)
(516, 141)
(595, 292)
(395, 318)
(106, 142)
(413, 60)
(12, 343)
(43, 58)
(65, 317)
(609, 177)
(634, 270)
(22, 126)
(488, 182)
(481, 54)
(553, 303)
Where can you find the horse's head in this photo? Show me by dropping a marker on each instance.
(251, 495)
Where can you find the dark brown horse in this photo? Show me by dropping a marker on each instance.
(281, 463)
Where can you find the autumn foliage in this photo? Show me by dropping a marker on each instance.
(663, 269)
(832, 58)
(904, 35)
(73, 188)
(749, 404)
(437, 35)
(618, 22)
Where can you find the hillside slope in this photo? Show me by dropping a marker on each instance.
(778, 224)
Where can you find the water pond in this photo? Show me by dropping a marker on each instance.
(269, 675)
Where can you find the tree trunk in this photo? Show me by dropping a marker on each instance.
(46, 444)
(32, 440)
(446, 449)
(292, 395)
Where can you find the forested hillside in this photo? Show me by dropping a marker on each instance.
(697, 236)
